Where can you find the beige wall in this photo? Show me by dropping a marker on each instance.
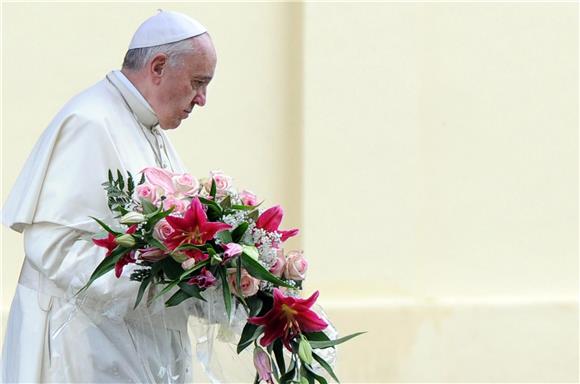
(429, 152)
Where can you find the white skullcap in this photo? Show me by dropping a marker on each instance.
(165, 27)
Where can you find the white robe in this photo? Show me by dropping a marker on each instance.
(53, 336)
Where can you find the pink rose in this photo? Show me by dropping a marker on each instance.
(179, 206)
(248, 284)
(222, 182)
(248, 198)
(185, 184)
(162, 230)
(146, 192)
(296, 266)
(279, 265)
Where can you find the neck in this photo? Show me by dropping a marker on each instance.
(139, 81)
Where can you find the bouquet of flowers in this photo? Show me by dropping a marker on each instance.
(187, 235)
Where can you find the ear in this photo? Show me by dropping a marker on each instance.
(157, 67)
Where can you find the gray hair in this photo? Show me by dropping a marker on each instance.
(136, 58)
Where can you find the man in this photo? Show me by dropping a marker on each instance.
(53, 335)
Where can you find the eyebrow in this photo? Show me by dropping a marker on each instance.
(204, 78)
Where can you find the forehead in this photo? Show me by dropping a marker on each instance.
(198, 63)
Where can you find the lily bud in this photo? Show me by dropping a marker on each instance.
(180, 257)
(215, 260)
(187, 264)
(305, 350)
(132, 218)
(125, 240)
(263, 364)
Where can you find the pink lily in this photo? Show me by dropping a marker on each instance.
(288, 317)
(263, 365)
(231, 250)
(205, 279)
(270, 221)
(193, 228)
(152, 254)
(108, 242)
(160, 178)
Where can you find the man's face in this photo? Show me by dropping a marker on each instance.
(184, 84)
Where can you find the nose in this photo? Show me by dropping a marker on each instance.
(200, 97)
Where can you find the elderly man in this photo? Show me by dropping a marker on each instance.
(53, 335)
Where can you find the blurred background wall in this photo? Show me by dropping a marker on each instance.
(428, 151)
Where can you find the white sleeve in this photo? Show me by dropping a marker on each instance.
(66, 257)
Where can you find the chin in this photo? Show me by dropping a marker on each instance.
(171, 125)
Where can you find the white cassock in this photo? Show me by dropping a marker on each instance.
(53, 336)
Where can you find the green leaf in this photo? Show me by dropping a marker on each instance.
(110, 176)
(142, 288)
(208, 201)
(213, 189)
(225, 290)
(154, 217)
(130, 183)
(239, 284)
(156, 243)
(256, 269)
(120, 180)
(331, 343)
(105, 266)
(318, 378)
(177, 298)
(289, 375)
(177, 280)
(105, 226)
(192, 290)
(254, 215)
(171, 268)
(251, 251)
(242, 207)
(255, 304)
(250, 333)
(154, 271)
(316, 336)
(148, 207)
(225, 237)
(325, 365)
(213, 213)
(226, 202)
(142, 180)
(278, 349)
(238, 233)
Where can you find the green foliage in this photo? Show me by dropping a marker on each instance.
(119, 193)
(325, 365)
(105, 266)
(238, 233)
(278, 349)
(256, 269)
(226, 290)
(332, 343)
(250, 333)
